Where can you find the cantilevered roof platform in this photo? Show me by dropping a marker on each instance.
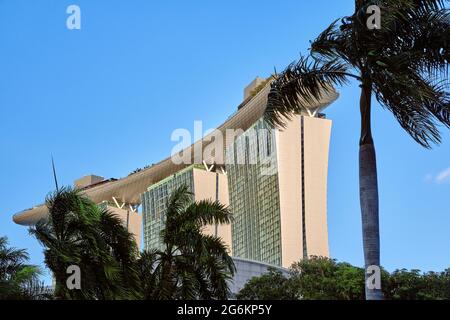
(128, 190)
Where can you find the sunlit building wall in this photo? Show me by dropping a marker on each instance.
(203, 184)
(278, 191)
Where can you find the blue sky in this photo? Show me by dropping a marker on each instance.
(105, 100)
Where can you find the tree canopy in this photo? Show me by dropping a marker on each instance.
(320, 278)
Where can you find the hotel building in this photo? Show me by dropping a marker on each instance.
(203, 185)
(275, 184)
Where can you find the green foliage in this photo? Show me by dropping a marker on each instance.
(18, 280)
(349, 282)
(271, 286)
(192, 265)
(78, 232)
(320, 278)
(410, 52)
(412, 285)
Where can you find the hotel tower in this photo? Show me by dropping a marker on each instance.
(274, 182)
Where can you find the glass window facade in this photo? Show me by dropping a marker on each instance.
(154, 205)
(254, 195)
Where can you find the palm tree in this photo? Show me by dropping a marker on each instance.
(192, 265)
(18, 280)
(78, 232)
(403, 63)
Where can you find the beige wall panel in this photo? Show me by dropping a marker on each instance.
(205, 188)
(317, 140)
(289, 178)
(224, 231)
(134, 222)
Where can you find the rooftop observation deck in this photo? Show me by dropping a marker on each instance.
(127, 190)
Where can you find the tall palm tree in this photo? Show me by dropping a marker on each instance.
(18, 280)
(403, 63)
(78, 232)
(192, 265)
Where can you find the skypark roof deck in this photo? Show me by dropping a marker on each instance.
(128, 189)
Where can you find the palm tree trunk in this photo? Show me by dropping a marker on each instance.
(368, 192)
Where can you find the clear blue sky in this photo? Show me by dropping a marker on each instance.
(105, 100)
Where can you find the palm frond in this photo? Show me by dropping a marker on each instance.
(301, 85)
(181, 270)
(416, 103)
(207, 212)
